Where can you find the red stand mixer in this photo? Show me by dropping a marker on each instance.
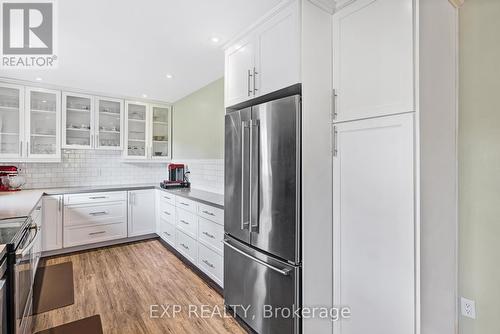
(10, 179)
(177, 177)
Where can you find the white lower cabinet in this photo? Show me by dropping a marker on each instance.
(83, 235)
(167, 232)
(94, 217)
(211, 263)
(52, 223)
(374, 224)
(187, 246)
(141, 212)
(195, 230)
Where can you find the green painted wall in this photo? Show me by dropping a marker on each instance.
(479, 163)
(198, 126)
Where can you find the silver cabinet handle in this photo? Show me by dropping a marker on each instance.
(96, 233)
(91, 141)
(284, 272)
(249, 78)
(334, 105)
(185, 204)
(21, 148)
(184, 222)
(168, 234)
(209, 235)
(59, 204)
(254, 81)
(335, 140)
(96, 141)
(208, 213)
(208, 264)
(167, 213)
(100, 213)
(166, 197)
(27, 148)
(98, 197)
(186, 247)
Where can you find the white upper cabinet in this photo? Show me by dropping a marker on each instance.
(374, 224)
(278, 52)
(108, 123)
(11, 121)
(373, 59)
(43, 124)
(78, 121)
(240, 63)
(136, 135)
(160, 141)
(30, 124)
(148, 131)
(266, 58)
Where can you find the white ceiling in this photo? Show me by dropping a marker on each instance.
(126, 47)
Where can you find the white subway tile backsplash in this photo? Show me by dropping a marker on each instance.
(88, 167)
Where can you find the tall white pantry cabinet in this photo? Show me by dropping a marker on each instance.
(394, 166)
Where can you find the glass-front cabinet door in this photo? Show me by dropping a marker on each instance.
(11, 121)
(136, 132)
(78, 121)
(43, 123)
(160, 132)
(108, 123)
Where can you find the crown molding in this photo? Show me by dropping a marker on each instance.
(326, 5)
(457, 3)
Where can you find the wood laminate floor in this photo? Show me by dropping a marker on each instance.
(120, 283)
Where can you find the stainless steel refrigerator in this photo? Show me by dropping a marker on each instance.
(262, 214)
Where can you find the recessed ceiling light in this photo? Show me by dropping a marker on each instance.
(38, 79)
(44, 101)
(169, 76)
(144, 95)
(215, 39)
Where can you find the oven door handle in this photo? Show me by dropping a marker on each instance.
(23, 252)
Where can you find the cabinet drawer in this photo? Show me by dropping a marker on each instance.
(76, 236)
(95, 214)
(186, 245)
(166, 197)
(186, 204)
(211, 234)
(167, 212)
(167, 232)
(95, 197)
(211, 263)
(211, 213)
(187, 222)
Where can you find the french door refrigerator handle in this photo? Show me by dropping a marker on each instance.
(244, 223)
(284, 272)
(254, 175)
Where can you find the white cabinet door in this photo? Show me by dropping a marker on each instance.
(374, 225)
(108, 123)
(160, 140)
(11, 122)
(374, 59)
(78, 121)
(136, 130)
(52, 223)
(278, 52)
(240, 63)
(141, 212)
(43, 124)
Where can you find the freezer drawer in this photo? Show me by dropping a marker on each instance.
(262, 284)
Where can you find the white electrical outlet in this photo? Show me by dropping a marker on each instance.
(468, 308)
